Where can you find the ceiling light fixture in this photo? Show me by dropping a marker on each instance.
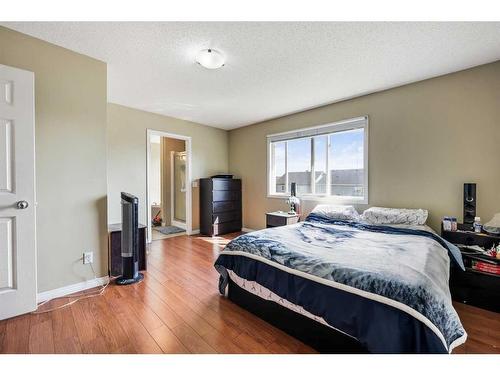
(210, 58)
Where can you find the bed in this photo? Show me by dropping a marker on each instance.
(348, 286)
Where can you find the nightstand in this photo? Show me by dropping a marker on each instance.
(280, 218)
(474, 287)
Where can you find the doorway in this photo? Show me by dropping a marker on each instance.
(178, 189)
(168, 185)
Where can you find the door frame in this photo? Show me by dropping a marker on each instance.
(172, 188)
(189, 182)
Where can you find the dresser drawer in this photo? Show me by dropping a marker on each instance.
(220, 206)
(470, 238)
(224, 217)
(475, 288)
(273, 220)
(226, 184)
(226, 195)
(225, 206)
(223, 228)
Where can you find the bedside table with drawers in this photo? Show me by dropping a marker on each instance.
(474, 287)
(280, 218)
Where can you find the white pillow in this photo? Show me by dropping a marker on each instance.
(337, 212)
(382, 215)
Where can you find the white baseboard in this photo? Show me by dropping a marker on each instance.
(248, 230)
(178, 224)
(195, 231)
(70, 289)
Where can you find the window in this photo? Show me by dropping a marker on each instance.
(328, 161)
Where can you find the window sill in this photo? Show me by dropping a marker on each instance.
(323, 199)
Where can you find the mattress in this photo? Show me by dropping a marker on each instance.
(363, 280)
(266, 294)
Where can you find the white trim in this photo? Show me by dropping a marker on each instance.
(311, 132)
(195, 231)
(375, 297)
(189, 182)
(248, 230)
(174, 222)
(178, 224)
(341, 125)
(171, 162)
(70, 289)
(324, 199)
(457, 342)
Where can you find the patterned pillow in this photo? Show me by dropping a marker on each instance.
(382, 215)
(337, 212)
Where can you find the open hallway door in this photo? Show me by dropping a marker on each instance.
(17, 193)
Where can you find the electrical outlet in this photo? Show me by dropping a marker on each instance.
(88, 257)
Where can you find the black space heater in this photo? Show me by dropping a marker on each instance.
(130, 241)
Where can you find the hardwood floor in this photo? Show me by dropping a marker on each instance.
(177, 309)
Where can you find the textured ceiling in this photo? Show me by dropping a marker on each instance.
(272, 69)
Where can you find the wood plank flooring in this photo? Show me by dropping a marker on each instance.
(177, 309)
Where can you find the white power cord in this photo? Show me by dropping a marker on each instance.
(77, 296)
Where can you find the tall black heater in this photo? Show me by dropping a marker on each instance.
(130, 241)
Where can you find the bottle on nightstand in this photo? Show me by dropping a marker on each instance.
(477, 224)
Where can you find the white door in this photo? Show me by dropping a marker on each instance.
(17, 193)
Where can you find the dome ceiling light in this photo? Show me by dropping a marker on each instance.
(210, 58)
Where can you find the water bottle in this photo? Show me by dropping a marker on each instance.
(454, 224)
(477, 224)
(446, 223)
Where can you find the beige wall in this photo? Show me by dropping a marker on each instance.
(70, 126)
(127, 154)
(168, 145)
(426, 139)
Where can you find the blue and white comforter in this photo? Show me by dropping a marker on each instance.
(387, 287)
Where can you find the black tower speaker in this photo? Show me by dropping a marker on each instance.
(130, 240)
(470, 203)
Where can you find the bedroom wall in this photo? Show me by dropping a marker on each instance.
(70, 136)
(426, 139)
(127, 155)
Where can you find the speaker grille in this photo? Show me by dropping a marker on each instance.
(470, 202)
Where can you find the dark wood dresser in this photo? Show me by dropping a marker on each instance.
(220, 206)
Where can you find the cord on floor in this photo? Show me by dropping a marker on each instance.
(78, 297)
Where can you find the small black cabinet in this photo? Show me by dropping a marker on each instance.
(115, 249)
(280, 218)
(220, 206)
(472, 286)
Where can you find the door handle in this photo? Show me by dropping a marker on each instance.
(22, 205)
